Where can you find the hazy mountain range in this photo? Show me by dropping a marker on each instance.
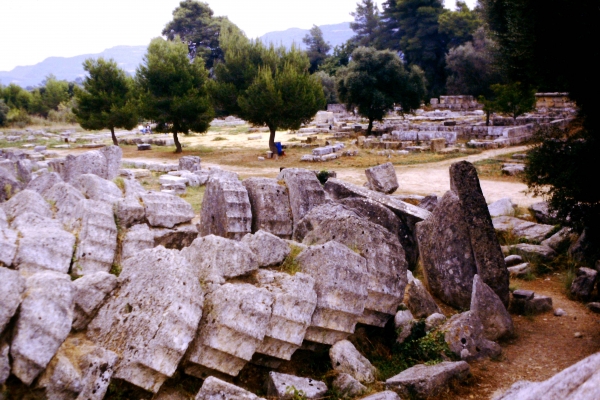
(129, 57)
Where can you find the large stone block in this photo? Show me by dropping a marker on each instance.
(65, 199)
(104, 163)
(341, 282)
(138, 238)
(43, 323)
(305, 191)
(94, 187)
(152, 318)
(464, 335)
(284, 386)
(487, 306)
(294, 301)
(386, 263)
(484, 242)
(26, 201)
(44, 182)
(269, 249)
(374, 212)
(129, 211)
(165, 210)
(44, 248)
(12, 287)
(189, 163)
(522, 229)
(270, 206)
(234, 325)
(226, 209)
(346, 359)
(382, 178)
(91, 291)
(423, 381)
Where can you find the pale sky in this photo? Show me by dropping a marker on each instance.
(33, 30)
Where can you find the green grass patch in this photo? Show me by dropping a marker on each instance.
(290, 265)
(194, 196)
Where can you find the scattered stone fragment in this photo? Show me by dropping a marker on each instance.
(94, 187)
(403, 322)
(533, 251)
(177, 237)
(165, 210)
(233, 327)
(12, 287)
(269, 249)
(486, 304)
(464, 334)
(418, 300)
(434, 321)
(502, 207)
(91, 291)
(43, 323)
(525, 302)
(523, 294)
(584, 282)
(522, 229)
(44, 182)
(382, 178)
(519, 271)
(423, 381)
(542, 213)
(559, 312)
(150, 322)
(387, 395)
(346, 359)
(283, 386)
(513, 259)
(559, 240)
(347, 386)
(216, 389)
(270, 205)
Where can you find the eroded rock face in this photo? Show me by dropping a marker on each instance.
(422, 381)
(386, 263)
(4, 360)
(216, 389)
(281, 386)
(580, 381)
(270, 206)
(346, 359)
(502, 207)
(12, 287)
(129, 211)
(165, 210)
(382, 178)
(91, 291)
(226, 209)
(464, 335)
(374, 212)
(559, 240)
(496, 321)
(403, 322)
(387, 395)
(484, 242)
(43, 323)
(430, 202)
(341, 284)
(233, 327)
(269, 249)
(150, 322)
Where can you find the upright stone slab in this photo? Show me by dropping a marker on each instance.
(112, 154)
(418, 300)
(270, 206)
(484, 242)
(97, 239)
(165, 210)
(152, 318)
(305, 191)
(341, 282)
(43, 323)
(12, 288)
(233, 327)
(91, 292)
(90, 162)
(382, 178)
(386, 263)
(494, 317)
(446, 254)
(294, 303)
(226, 209)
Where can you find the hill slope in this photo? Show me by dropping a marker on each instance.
(335, 34)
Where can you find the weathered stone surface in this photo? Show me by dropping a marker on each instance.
(94, 187)
(3, 219)
(294, 302)
(97, 238)
(418, 300)
(138, 238)
(486, 304)
(403, 322)
(434, 321)
(26, 201)
(584, 282)
(513, 259)
(113, 155)
(226, 209)
(270, 206)
(347, 386)
(189, 163)
(387, 395)
(65, 199)
(284, 386)
(374, 212)
(580, 381)
(91, 291)
(9, 184)
(216, 389)
(346, 359)
(386, 264)
(48, 248)
(341, 284)
(43, 323)
(165, 210)
(382, 178)
(233, 327)
(8, 246)
(104, 163)
(559, 240)
(533, 251)
(484, 242)
(4, 360)
(24, 168)
(542, 213)
(521, 228)
(446, 253)
(129, 211)
(175, 238)
(464, 335)
(12, 287)
(79, 370)
(269, 249)
(422, 381)
(215, 258)
(44, 182)
(305, 192)
(150, 322)
(502, 207)
(430, 202)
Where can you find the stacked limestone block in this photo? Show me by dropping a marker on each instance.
(341, 282)
(270, 204)
(233, 327)
(226, 208)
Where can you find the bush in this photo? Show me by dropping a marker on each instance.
(63, 114)
(4, 110)
(18, 117)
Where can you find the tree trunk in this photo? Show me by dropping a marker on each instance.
(487, 118)
(272, 147)
(370, 127)
(177, 144)
(114, 138)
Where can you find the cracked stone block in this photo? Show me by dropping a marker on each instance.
(26, 201)
(150, 322)
(43, 323)
(424, 381)
(97, 239)
(269, 249)
(175, 238)
(270, 206)
(65, 198)
(386, 262)
(165, 210)
(465, 337)
(129, 211)
(418, 300)
(293, 306)
(138, 238)
(226, 209)
(44, 182)
(94, 187)
(12, 287)
(284, 386)
(382, 178)
(305, 191)
(496, 321)
(91, 291)
(346, 359)
(216, 389)
(44, 248)
(233, 326)
(104, 163)
(341, 282)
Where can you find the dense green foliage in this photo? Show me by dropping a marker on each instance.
(366, 25)
(172, 90)
(316, 48)
(4, 110)
(106, 99)
(376, 81)
(328, 83)
(513, 99)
